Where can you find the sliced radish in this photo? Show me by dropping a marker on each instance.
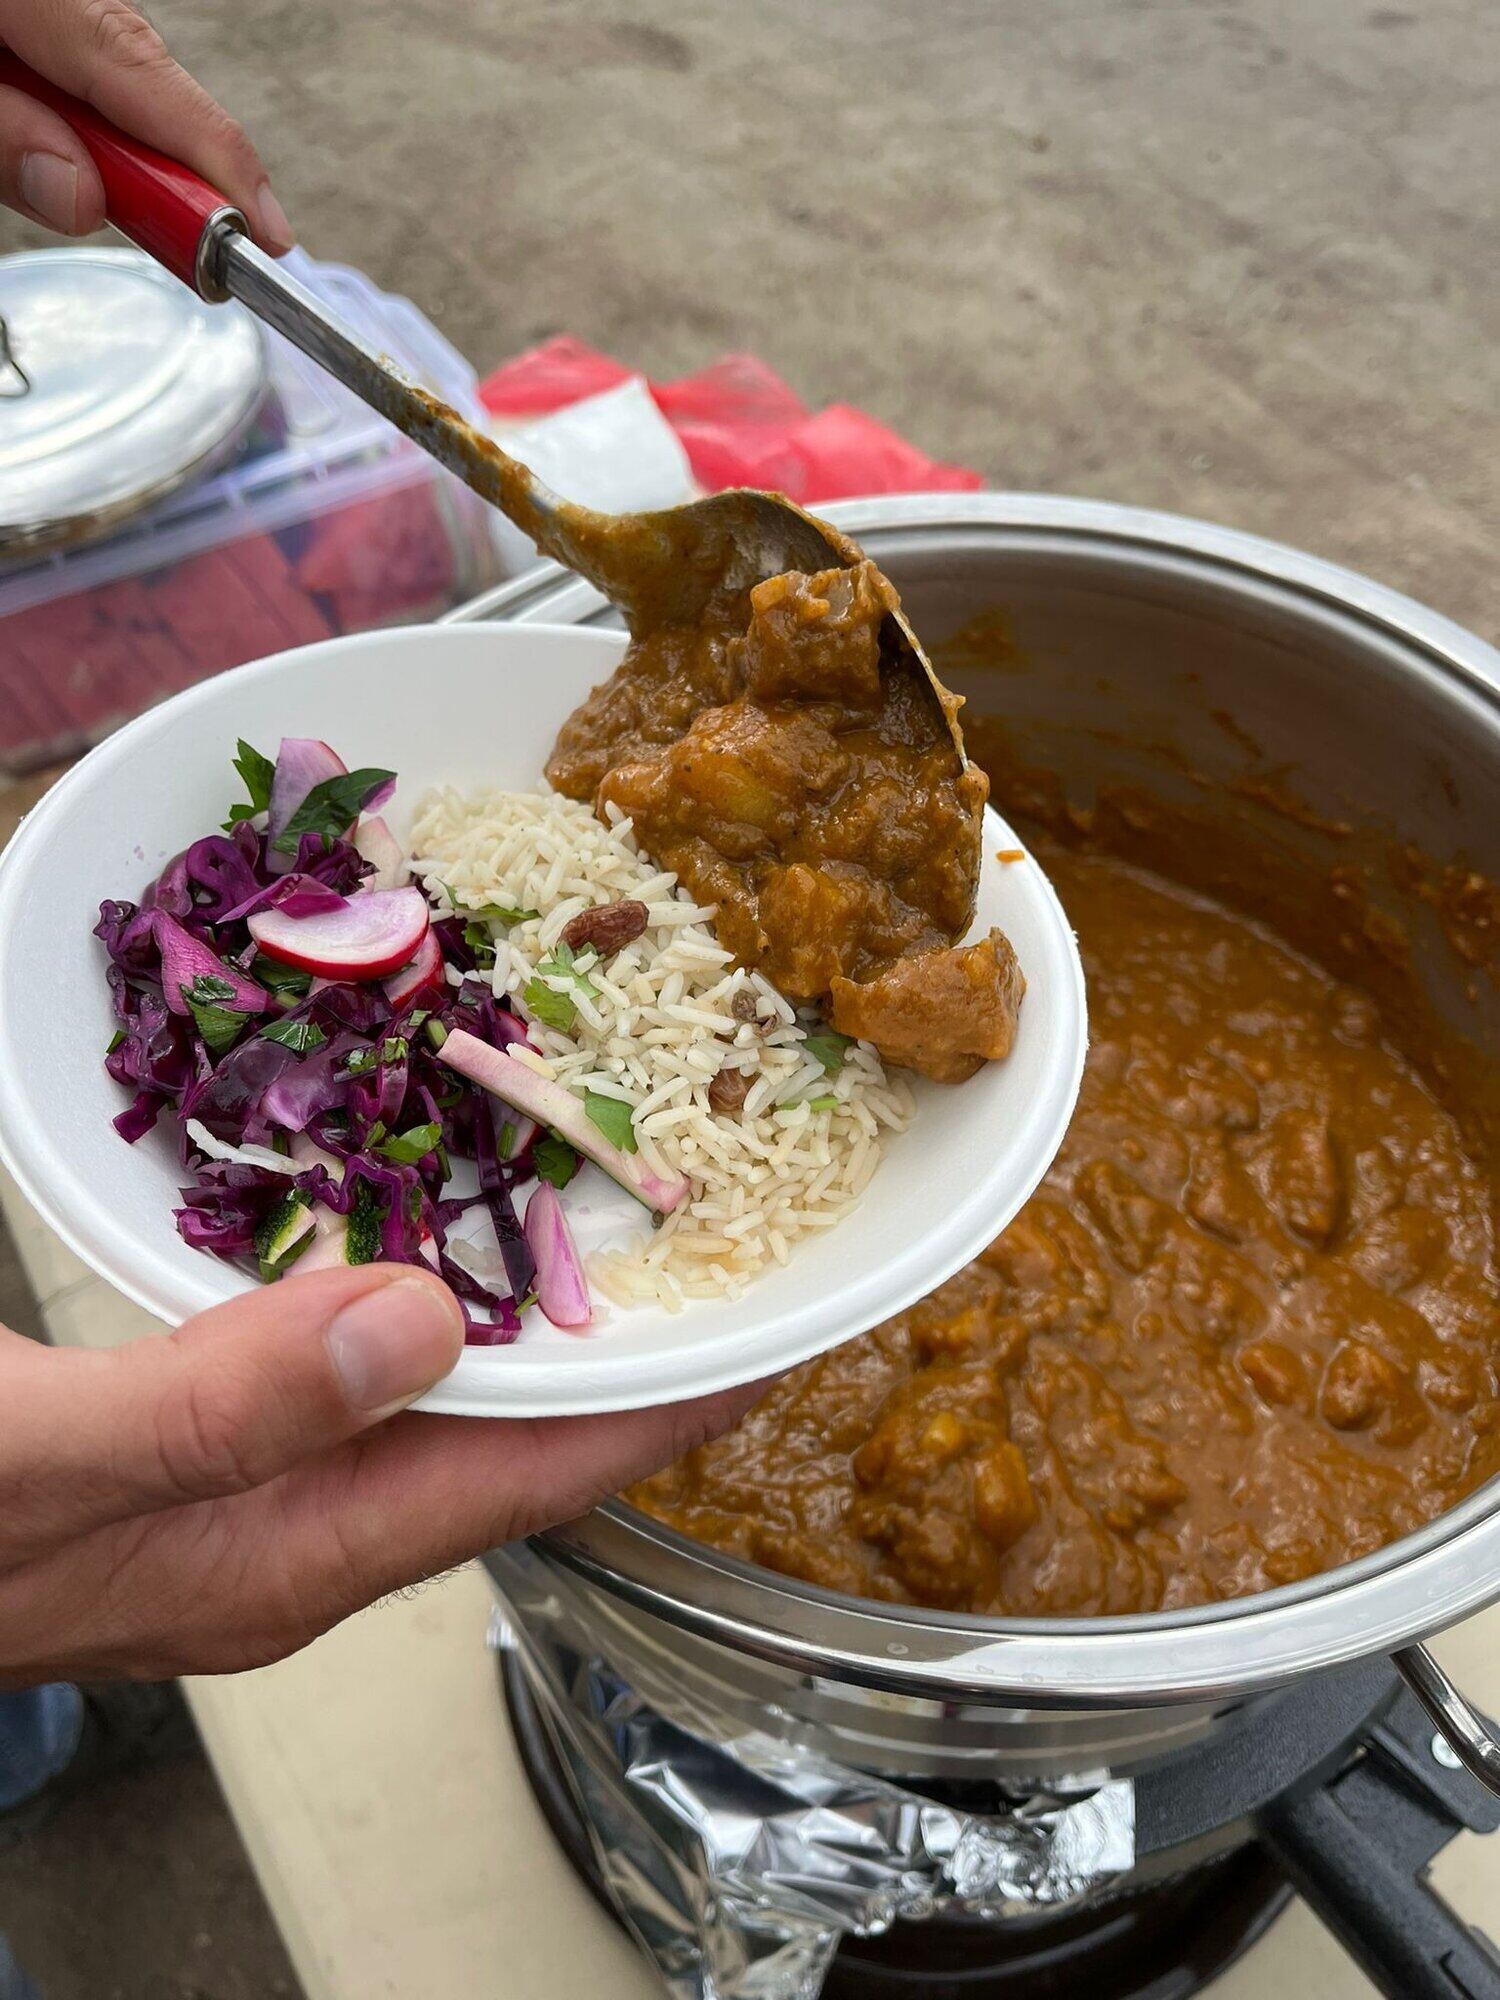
(549, 1104)
(301, 763)
(368, 936)
(424, 974)
(186, 959)
(374, 842)
(562, 1291)
(523, 1131)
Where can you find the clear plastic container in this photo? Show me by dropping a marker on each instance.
(326, 521)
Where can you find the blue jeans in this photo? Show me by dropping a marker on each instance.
(39, 1730)
(14, 1985)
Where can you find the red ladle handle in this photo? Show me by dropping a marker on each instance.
(161, 205)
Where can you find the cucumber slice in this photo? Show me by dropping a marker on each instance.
(284, 1235)
(362, 1241)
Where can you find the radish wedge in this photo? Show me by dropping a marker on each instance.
(375, 843)
(185, 959)
(370, 935)
(423, 975)
(562, 1291)
(549, 1104)
(301, 763)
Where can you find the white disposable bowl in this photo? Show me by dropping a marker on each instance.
(471, 706)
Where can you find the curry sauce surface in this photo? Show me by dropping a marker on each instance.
(1247, 1330)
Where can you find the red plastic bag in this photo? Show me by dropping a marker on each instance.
(846, 454)
(735, 419)
(739, 424)
(549, 377)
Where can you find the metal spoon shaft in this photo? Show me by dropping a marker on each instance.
(262, 285)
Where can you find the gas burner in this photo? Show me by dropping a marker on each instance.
(1331, 1787)
(1163, 1943)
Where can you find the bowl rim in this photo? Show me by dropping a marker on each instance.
(1405, 1592)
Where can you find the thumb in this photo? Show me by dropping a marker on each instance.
(234, 1398)
(45, 172)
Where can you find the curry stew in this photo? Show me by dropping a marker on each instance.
(786, 773)
(1247, 1330)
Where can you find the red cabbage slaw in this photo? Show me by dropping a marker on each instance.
(281, 999)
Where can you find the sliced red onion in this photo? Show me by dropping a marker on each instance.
(424, 974)
(298, 895)
(374, 840)
(549, 1104)
(562, 1291)
(302, 763)
(186, 958)
(370, 934)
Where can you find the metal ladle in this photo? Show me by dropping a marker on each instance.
(679, 566)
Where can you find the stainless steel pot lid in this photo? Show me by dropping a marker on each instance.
(117, 385)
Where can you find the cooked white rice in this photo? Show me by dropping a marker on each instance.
(655, 1036)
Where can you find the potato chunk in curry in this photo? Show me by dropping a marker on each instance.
(785, 774)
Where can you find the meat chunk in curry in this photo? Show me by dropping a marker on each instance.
(785, 774)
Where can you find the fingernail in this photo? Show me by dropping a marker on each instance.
(392, 1343)
(49, 188)
(271, 217)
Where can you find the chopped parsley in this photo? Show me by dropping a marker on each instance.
(117, 1040)
(257, 772)
(552, 1006)
(286, 981)
(408, 1147)
(614, 1119)
(479, 941)
(554, 1159)
(359, 1062)
(545, 1004)
(331, 807)
(828, 1047)
(216, 1023)
(489, 913)
(301, 1036)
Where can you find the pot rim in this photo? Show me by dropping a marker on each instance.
(1404, 1592)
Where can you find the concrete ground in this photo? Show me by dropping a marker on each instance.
(1236, 258)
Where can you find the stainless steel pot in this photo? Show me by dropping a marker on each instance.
(1130, 630)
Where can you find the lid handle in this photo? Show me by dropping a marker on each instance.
(162, 206)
